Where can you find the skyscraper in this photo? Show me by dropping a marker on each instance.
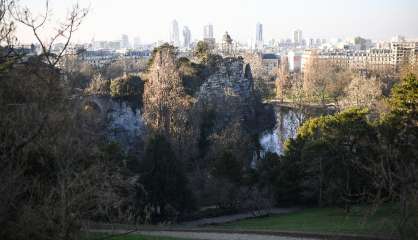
(174, 33)
(125, 41)
(259, 36)
(208, 31)
(187, 36)
(297, 37)
(137, 43)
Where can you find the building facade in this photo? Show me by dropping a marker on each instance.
(391, 58)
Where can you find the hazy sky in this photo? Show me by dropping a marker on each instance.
(150, 19)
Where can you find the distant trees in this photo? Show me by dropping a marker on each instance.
(324, 81)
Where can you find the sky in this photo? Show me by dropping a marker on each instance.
(150, 19)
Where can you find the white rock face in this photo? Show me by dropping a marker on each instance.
(125, 122)
(287, 125)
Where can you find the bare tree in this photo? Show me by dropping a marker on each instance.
(64, 31)
(166, 105)
(282, 80)
(362, 92)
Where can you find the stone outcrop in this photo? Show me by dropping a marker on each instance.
(230, 90)
(231, 80)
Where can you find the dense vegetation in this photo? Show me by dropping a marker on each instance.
(58, 168)
(355, 157)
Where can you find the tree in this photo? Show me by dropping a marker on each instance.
(63, 32)
(324, 80)
(48, 158)
(282, 80)
(395, 173)
(164, 181)
(362, 92)
(202, 52)
(166, 104)
(328, 147)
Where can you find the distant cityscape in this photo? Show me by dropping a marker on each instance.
(357, 52)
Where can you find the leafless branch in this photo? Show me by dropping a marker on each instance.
(64, 31)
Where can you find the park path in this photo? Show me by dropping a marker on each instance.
(218, 236)
(202, 235)
(236, 217)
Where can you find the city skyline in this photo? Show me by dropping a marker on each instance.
(322, 19)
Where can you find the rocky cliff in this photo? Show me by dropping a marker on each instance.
(229, 91)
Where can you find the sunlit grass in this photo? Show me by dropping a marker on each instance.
(324, 220)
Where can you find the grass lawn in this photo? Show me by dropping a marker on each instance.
(99, 236)
(323, 220)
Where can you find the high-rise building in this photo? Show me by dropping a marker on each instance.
(259, 36)
(297, 37)
(187, 36)
(208, 36)
(174, 33)
(125, 41)
(311, 43)
(208, 31)
(137, 42)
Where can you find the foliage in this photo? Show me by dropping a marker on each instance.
(202, 52)
(99, 86)
(191, 75)
(173, 51)
(324, 81)
(328, 148)
(126, 87)
(345, 158)
(362, 92)
(164, 181)
(397, 166)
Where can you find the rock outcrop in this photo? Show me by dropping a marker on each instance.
(230, 90)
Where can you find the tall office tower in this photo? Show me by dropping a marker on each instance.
(174, 33)
(311, 43)
(125, 41)
(259, 36)
(208, 31)
(137, 42)
(297, 37)
(187, 36)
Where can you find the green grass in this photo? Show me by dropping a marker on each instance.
(99, 236)
(323, 220)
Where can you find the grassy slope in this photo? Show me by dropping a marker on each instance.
(325, 220)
